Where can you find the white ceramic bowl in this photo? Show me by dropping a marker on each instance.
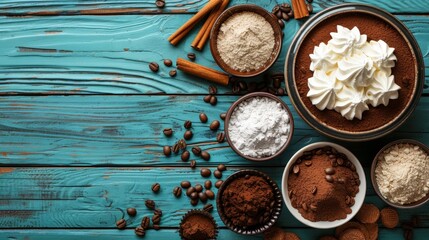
(360, 196)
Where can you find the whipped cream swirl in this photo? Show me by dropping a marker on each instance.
(351, 73)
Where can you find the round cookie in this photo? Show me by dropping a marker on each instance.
(352, 234)
(368, 213)
(372, 230)
(350, 225)
(389, 217)
(291, 236)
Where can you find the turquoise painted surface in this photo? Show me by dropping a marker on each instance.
(81, 117)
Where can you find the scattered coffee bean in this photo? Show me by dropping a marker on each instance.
(172, 73)
(185, 184)
(340, 161)
(207, 98)
(131, 212)
(330, 171)
(212, 90)
(277, 82)
(182, 144)
(168, 132)
(281, 23)
(285, 7)
(217, 174)
(145, 223)
(198, 187)
(121, 224)
(222, 116)
(193, 164)
(213, 100)
(235, 88)
(220, 137)
(202, 196)
(279, 14)
(150, 204)
(208, 184)
(203, 117)
(156, 187)
(218, 183)
(167, 150)
(175, 148)
(158, 212)
(243, 85)
(190, 191)
(156, 227)
(194, 195)
(290, 13)
(205, 172)
(205, 155)
(275, 9)
(194, 202)
(280, 91)
(284, 16)
(314, 190)
(329, 178)
(168, 62)
(196, 151)
(215, 125)
(310, 8)
(139, 231)
(156, 219)
(221, 167)
(187, 124)
(192, 56)
(208, 207)
(210, 194)
(185, 156)
(154, 66)
(177, 192)
(188, 135)
(160, 3)
(295, 169)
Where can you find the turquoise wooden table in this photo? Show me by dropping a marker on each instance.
(81, 117)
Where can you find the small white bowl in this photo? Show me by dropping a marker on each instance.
(359, 198)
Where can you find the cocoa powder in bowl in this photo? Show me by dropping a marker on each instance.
(198, 225)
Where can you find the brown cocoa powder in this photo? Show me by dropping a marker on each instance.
(317, 197)
(198, 227)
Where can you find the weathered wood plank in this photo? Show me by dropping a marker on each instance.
(97, 7)
(92, 197)
(110, 54)
(127, 130)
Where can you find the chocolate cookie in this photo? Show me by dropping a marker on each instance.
(389, 217)
(352, 234)
(368, 213)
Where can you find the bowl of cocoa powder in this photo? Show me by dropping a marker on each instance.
(249, 202)
(323, 185)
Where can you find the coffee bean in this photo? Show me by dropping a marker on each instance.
(329, 178)
(150, 204)
(243, 85)
(280, 91)
(207, 98)
(212, 90)
(314, 190)
(203, 117)
(313, 207)
(158, 212)
(194, 195)
(310, 8)
(168, 62)
(222, 116)
(167, 150)
(340, 161)
(285, 7)
(208, 184)
(202, 196)
(139, 231)
(172, 73)
(131, 212)
(185, 156)
(156, 219)
(145, 223)
(187, 124)
(185, 184)
(221, 167)
(284, 16)
(154, 66)
(205, 172)
(190, 191)
(156, 187)
(295, 169)
(290, 13)
(281, 23)
(215, 125)
(408, 234)
(193, 164)
(168, 132)
(194, 202)
(175, 148)
(308, 163)
(220, 137)
(304, 206)
(330, 171)
(213, 100)
(198, 187)
(182, 144)
(196, 151)
(205, 155)
(121, 224)
(217, 174)
(156, 227)
(210, 194)
(160, 3)
(218, 183)
(235, 88)
(192, 56)
(279, 14)
(177, 192)
(277, 82)
(208, 207)
(276, 8)
(188, 135)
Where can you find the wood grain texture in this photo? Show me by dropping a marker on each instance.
(110, 54)
(92, 197)
(127, 130)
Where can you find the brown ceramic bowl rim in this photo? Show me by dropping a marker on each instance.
(244, 98)
(197, 212)
(277, 208)
(324, 128)
(373, 177)
(246, 8)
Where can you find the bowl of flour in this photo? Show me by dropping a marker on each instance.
(245, 40)
(259, 126)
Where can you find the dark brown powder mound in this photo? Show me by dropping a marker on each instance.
(376, 29)
(248, 201)
(322, 185)
(198, 227)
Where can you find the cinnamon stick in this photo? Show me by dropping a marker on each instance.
(300, 9)
(202, 71)
(185, 28)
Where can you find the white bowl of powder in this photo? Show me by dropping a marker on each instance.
(259, 126)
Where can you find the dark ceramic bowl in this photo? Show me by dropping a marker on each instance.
(197, 212)
(325, 127)
(246, 97)
(246, 8)
(374, 181)
(277, 208)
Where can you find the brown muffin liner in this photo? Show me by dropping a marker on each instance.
(197, 212)
(277, 208)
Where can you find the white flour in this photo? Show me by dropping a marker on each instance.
(259, 127)
(402, 173)
(245, 41)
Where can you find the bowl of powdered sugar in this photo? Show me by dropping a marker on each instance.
(245, 40)
(400, 173)
(259, 126)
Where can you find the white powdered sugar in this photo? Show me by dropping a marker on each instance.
(245, 41)
(259, 127)
(402, 173)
